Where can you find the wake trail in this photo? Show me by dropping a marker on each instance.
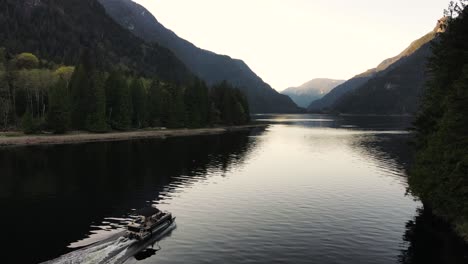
(116, 249)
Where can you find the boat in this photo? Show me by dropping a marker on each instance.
(149, 221)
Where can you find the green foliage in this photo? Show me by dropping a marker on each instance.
(172, 103)
(231, 104)
(5, 102)
(96, 115)
(26, 61)
(58, 31)
(59, 107)
(79, 92)
(65, 72)
(29, 124)
(154, 105)
(440, 174)
(139, 103)
(197, 104)
(119, 101)
(30, 88)
(86, 98)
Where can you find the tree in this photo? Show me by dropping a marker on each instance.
(5, 98)
(28, 124)
(65, 72)
(231, 103)
(439, 173)
(125, 107)
(119, 101)
(79, 84)
(87, 94)
(59, 107)
(172, 105)
(139, 103)
(197, 104)
(26, 61)
(154, 103)
(96, 115)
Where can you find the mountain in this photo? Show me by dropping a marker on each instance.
(393, 87)
(209, 66)
(59, 31)
(311, 90)
(397, 91)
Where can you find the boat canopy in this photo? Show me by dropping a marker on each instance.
(147, 212)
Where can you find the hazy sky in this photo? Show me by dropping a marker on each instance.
(288, 42)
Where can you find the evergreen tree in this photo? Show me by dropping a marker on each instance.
(139, 103)
(80, 88)
(197, 104)
(5, 98)
(125, 107)
(154, 104)
(88, 97)
(28, 124)
(96, 115)
(440, 173)
(231, 103)
(59, 107)
(119, 101)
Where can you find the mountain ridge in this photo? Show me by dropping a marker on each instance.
(312, 90)
(209, 66)
(327, 103)
(59, 31)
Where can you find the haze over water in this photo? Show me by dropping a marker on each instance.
(307, 189)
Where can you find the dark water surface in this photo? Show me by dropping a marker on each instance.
(308, 189)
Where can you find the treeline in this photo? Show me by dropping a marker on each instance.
(440, 173)
(37, 95)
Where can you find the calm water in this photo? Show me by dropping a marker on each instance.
(307, 189)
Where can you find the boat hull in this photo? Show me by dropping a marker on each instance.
(155, 230)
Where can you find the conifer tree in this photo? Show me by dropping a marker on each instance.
(59, 107)
(96, 116)
(154, 104)
(139, 103)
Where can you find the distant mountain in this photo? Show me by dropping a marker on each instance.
(393, 87)
(58, 31)
(396, 91)
(311, 90)
(209, 66)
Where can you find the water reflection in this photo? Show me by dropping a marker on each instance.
(430, 241)
(308, 189)
(58, 195)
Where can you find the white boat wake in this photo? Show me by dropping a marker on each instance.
(115, 249)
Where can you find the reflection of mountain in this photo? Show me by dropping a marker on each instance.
(64, 190)
(431, 241)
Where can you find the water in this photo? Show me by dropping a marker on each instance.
(307, 189)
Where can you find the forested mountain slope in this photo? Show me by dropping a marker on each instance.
(396, 90)
(209, 66)
(58, 30)
(399, 78)
(440, 172)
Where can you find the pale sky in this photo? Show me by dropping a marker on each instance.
(289, 42)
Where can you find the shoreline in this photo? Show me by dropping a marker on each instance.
(85, 137)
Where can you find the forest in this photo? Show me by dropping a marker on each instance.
(440, 173)
(38, 95)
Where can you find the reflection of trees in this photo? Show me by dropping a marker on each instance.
(81, 185)
(395, 147)
(431, 241)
